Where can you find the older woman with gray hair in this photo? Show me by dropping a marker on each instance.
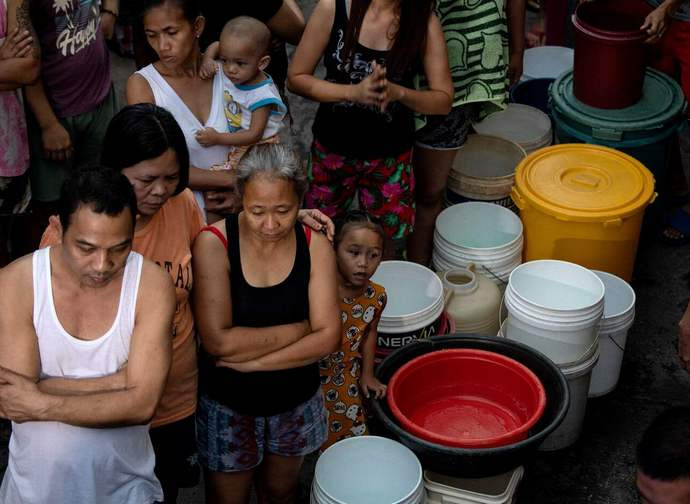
(265, 303)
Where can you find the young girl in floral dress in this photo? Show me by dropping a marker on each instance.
(349, 372)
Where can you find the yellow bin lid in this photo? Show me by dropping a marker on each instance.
(583, 182)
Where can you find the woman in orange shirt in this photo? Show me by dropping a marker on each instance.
(145, 142)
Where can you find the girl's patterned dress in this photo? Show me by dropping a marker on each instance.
(341, 370)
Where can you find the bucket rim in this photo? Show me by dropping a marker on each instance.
(600, 34)
(511, 487)
(533, 381)
(625, 313)
(434, 280)
(369, 438)
(567, 105)
(489, 207)
(513, 107)
(567, 264)
(526, 196)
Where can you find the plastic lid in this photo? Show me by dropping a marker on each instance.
(546, 62)
(583, 182)
(662, 103)
(522, 124)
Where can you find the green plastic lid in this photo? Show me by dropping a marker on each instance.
(662, 107)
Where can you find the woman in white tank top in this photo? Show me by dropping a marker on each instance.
(173, 82)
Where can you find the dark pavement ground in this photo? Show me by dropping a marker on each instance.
(600, 467)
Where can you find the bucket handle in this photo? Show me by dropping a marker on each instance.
(622, 349)
(503, 282)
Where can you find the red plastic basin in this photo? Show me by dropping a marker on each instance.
(466, 398)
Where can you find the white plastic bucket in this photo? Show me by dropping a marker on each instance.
(578, 375)
(501, 489)
(546, 62)
(483, 234)
(554, 307)
(619, 314)
(380, 471)
(415, 296)
(527, 126)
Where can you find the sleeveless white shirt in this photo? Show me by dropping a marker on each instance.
(52, 462)
(166, 97)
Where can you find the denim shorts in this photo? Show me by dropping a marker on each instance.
(446, 132)
(230, 441)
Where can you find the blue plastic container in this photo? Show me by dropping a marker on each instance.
(533, 92)
(644, 130)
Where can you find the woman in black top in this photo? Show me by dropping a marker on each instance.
(363, 131)
(265, 304)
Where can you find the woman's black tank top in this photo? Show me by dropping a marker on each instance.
(354, 129)
(264, 393)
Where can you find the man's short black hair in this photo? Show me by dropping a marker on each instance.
(104, 190)
(664, 450)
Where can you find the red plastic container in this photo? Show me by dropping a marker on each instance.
(466, 398)
(610, 53)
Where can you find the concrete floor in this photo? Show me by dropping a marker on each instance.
(599, 468)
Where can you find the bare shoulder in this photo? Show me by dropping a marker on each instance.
(155, 284)
(138, 90)
(17, 278)
(18, 272)
(320, 248)
(208, 241)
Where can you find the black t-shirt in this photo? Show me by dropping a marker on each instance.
(263, 393)
(219, 12)
(356, 130)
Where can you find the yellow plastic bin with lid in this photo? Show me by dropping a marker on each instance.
(584, 204)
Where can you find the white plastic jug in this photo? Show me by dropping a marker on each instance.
(474, 301)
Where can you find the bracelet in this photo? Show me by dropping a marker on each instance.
(108, 11)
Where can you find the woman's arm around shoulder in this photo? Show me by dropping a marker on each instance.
(138, 90)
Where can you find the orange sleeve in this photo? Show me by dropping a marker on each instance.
(51, 236)
(196, 220)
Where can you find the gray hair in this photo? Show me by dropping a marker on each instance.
(273, 160)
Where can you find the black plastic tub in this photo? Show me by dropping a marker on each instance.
(481, 462)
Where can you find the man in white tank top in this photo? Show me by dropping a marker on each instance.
(85, 345)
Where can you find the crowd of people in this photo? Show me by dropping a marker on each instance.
(122, 385)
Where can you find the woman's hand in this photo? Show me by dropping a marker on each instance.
(57, 144)
(655, 23)
(371, 90)
(17, 45)
(222, 202)
(318, 221)
(369, 384)
(208, 67)
(207, 137)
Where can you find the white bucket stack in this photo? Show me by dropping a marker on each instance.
(483, 234)
(527, 126)
(619, 314)
(380, 471)
(415, 296)
(555, 307)
(499, 489)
